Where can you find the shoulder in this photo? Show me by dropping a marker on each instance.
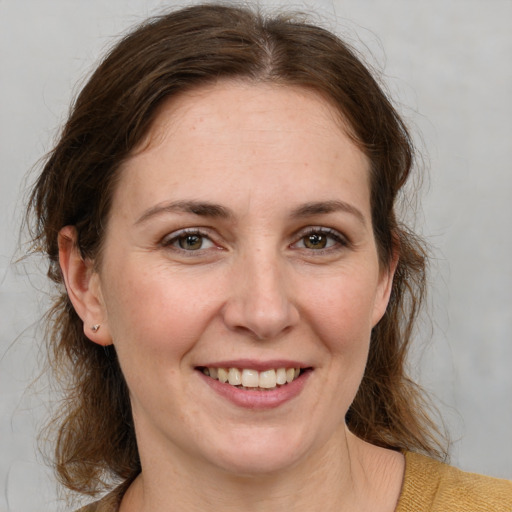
(431, 486)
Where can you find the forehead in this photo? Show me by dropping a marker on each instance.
(262, 138)
(238, 103)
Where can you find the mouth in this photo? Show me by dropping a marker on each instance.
(253, 380)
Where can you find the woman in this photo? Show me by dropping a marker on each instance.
(239, 294)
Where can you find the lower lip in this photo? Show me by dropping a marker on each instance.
(258, 399)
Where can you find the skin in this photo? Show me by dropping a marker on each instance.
(254, 290)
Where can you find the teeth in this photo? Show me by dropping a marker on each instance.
(268, 379)
(222, 374)
(249, 378)
(281, 376)
(235, 376)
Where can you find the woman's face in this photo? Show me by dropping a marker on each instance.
(240, 245)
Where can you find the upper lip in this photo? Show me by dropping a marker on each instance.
(255, 364)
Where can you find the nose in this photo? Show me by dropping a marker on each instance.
(260, 301)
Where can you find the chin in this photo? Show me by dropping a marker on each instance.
(257, 453)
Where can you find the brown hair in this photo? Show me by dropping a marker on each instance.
(109, 119)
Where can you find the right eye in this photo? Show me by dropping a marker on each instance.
(188, 240)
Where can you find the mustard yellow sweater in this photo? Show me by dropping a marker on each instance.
(429, 486)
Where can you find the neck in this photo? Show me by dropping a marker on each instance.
(346, 474)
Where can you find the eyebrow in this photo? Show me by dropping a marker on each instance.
(206, 209)
(323, 207)
(203, 209)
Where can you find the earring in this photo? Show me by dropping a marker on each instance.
(95, 328)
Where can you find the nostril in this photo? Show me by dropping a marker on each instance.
(261, 321)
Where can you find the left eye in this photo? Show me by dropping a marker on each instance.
(315, 241)
(189, 241)
(319, 239)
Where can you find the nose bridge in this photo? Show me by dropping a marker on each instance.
(260, 301)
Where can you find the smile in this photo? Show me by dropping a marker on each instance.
(251, 379)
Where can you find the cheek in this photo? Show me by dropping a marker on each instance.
(155, 313)
(343, 309)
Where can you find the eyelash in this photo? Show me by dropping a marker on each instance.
(171, 240)
(340, 241)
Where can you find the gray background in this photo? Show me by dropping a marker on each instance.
(448, 63)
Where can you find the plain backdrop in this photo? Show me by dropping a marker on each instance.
(447, 64)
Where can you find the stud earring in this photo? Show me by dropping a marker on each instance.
(95, 328)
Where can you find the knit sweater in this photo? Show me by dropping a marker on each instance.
(428, 486)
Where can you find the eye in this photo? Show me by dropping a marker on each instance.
(315, 241)
(188, 240)
(318, 239)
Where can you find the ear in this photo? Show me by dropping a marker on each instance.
(387, 273)
(83, 287)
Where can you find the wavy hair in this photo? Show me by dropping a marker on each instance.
(166, 55)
